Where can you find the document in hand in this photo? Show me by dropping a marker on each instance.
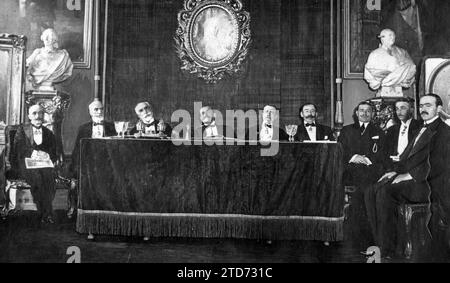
(31, 163)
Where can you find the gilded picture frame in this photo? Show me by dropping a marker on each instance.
(12, 66)
(212, 38)
(72, 21)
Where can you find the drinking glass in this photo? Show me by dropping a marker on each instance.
(291, 130)
(118, 125)
(124, 128)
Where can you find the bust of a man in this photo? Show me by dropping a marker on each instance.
(389, 68)
(49, 64)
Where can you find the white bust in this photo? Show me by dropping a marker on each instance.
(389, 68)
(49, 64)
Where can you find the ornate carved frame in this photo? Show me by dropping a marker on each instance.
(210, 70)
(14, 45)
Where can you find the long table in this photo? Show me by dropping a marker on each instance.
(154, 188)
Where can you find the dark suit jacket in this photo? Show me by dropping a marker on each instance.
(370, 145)
(321, 132)
(429, 162)
(282, 135)
(24, 144)
(355, 143)
(391, 141)
(167, 131)
(85, 131)
(198, 132)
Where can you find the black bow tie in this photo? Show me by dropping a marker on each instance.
(149, 125)
(98, 124)
(425, 125)
(36, 127)
(310, 125)
(269, 126)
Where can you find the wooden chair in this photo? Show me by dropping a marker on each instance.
(413, 218)
(17, 191)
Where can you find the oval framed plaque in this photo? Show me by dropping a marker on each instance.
(212, 38)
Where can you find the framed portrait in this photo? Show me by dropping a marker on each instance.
(212, 38)
(71, 19)
(12, 65)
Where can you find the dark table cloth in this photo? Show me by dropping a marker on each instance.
(156, 189)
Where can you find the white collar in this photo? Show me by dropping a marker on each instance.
(432, 120)
(407, 123)
(97, 120)
(365, 124)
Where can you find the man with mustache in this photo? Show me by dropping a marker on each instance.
(310, 130)
(399, 135)
(363, 153)
(147, 124)
(36, 141)
(424, 165)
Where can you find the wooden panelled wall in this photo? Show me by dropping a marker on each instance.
(288, 63)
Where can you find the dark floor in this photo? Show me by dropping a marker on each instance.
(24, 239)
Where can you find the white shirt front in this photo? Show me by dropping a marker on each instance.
(150, 130)
(211, 131)
(97, 131)
(37, 136)
(266, 133)
(312, 132)
(403, 137)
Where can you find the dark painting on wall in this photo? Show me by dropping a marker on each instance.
(422, 29)
(72, 20)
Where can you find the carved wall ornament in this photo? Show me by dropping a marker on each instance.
(212, 38)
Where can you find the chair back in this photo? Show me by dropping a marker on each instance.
(10, 153)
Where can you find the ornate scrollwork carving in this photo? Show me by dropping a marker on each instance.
(212, 38)
(17, 41)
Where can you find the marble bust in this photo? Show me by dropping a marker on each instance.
(48, 65)
(389, 68)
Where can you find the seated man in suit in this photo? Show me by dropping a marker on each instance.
(269, 129)
(310, 130)
(362, 143)
(37, 142)
(147, 124)
(424, 165)
(399, 136)
(210, 127)
(96, 128)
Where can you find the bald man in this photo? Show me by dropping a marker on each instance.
(35, 140)
(147, 124)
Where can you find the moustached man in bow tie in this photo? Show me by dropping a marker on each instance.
(309, 129)
(147, 124)
(37, 142)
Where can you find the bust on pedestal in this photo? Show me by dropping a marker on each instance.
(389, 68)
(45, 67)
